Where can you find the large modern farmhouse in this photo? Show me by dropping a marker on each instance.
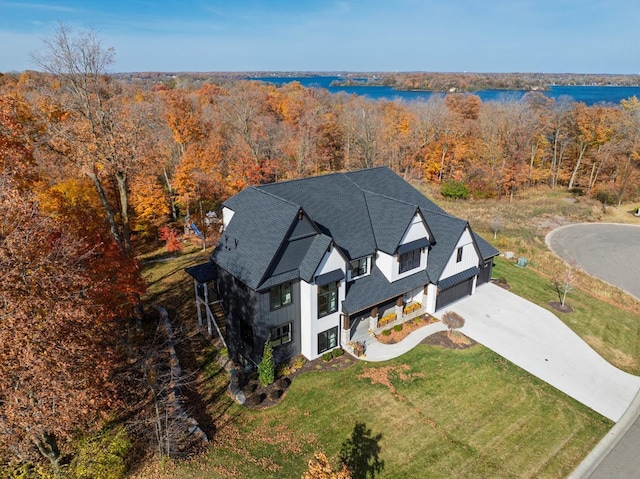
(305, 262)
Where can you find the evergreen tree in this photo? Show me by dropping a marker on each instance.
(267, 368)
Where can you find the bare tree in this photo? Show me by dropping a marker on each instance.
(565, 284)
(101, 126)
(452, 320)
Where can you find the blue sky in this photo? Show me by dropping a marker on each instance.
(580, 36)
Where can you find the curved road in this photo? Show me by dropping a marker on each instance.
(610, 252)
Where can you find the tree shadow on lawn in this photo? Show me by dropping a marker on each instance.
(361, 453)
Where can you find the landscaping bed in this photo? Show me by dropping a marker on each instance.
(400, 331)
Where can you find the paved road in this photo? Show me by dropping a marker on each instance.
(610, 252)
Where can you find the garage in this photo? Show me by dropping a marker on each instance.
(455, 287)
(485, 272)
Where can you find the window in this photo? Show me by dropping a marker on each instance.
(358, 267)
(281, 335)
(327, 299)
(410, 260)
(459, 255)
(280, 295)
(327, 340)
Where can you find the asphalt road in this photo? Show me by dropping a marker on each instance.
(610, 252)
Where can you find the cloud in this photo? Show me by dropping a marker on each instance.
(39, 6)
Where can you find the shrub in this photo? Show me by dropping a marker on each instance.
(454, 189)
(386, 332)
(328, 356)
(576, 191)
(338, 352)
(299, 362)
(267, 367)
(397, 327)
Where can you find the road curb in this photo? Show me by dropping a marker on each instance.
(608, 442)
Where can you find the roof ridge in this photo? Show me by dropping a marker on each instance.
(293, 180)
(390, 198)
(257, 188)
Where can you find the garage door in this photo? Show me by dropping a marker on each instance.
(485, 272)
(454, 293)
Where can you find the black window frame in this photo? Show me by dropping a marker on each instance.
(278, 295)
(459, 254)
(361, 269)
(409, 260)
(282, 334)
(324, 337)
(328, 294)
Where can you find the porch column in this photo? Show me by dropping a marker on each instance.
(346, 330)
(373, 319)
(399, 307)
(195, 283)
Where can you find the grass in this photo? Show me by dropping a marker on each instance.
(432, 413)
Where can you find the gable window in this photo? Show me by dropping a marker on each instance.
(327, 340)
(327, 299)
(459, 255)
(281, 334)
(358, 267)
(280, 295)
(410, 260)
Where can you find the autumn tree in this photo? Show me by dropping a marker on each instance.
(56, 339)
(94, 122)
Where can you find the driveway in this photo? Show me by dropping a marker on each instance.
(537, 341)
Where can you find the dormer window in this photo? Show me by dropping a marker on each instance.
(410, 260)
(359, 267)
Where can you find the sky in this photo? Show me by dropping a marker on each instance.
(547, 36)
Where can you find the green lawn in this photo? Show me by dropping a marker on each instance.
(432, 413)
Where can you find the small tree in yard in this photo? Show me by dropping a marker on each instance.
(452, 320)
(267, 368)
(565, 285)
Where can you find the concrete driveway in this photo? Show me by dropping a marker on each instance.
(537, 341)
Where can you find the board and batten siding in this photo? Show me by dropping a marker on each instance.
(415, 231)
(470, 256)
(266, 320)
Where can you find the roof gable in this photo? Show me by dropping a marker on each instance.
(390, 219)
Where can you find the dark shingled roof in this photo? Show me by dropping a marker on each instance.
(203, 273)
(251, 240)
(375, 288)
(486, 250)
(360, 211)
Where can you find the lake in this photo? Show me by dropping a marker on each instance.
(589, 95)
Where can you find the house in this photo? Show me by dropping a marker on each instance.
(305, 262)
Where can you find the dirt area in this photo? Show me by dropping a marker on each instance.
(455, 340)
(562, 308)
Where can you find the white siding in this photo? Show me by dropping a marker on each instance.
(469, 256)
(306, 305)
(415, 231)
(430, 301)
(311, 324)
(390, 266)
(227, 214)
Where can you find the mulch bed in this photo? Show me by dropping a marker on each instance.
(262, 397)
(502, 284)
(456, 341)
(559, 307)
(407, 328)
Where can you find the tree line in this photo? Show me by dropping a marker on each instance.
(92, 166)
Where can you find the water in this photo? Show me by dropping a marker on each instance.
(589, 95)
